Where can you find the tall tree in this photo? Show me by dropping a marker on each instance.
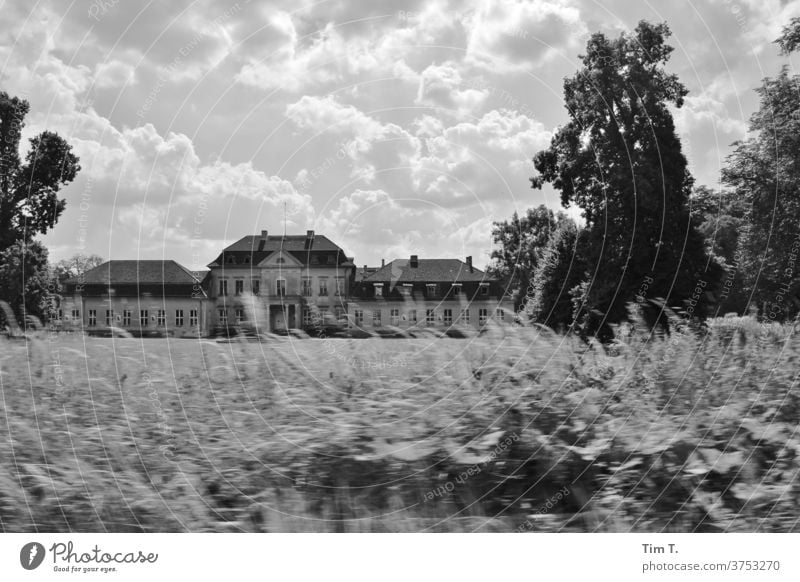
(620, 160)
(29, 202)
(764, 172)
(519, 243)
(29, 205)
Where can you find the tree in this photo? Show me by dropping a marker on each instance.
(75, 266)
(24, 279)
(519, 243)
(560, 269)
(764, 172)
(619, 159)
(789, 40)
(29, 203)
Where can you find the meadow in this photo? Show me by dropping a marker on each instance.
(519, 429)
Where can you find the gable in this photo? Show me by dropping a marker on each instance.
(280, 260)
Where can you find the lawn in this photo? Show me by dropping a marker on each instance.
(517, 430)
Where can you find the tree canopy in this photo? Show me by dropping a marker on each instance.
(620, 160)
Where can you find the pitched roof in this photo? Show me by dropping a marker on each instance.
(250, 250)
(166, 272)
(294, 242)
(428, 270)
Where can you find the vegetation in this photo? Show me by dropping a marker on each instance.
(523, 430)
(29, 205)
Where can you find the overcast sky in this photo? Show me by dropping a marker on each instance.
(392, 127)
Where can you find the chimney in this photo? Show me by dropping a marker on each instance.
(264, 235)
(469, 263)
(414, 263)
(263, 240)
(309, 239)
(383, 263)
(365, 268)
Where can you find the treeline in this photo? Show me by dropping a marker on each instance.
(649, 235)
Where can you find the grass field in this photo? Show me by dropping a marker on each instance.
(518, 430)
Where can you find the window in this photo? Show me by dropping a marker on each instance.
(314, 260)
(456, 289)
(376, 318)
(405, 289)
(92, 317)
(109, 317)
(412, 316)
(60, 315)
(378, 289)
(193, 317)
(339, 311)
(280, 287)
(223, 317)
(448, 317)
(358, 314)
(76, 314)
(256, 286)
(500, 314)
(280, 260)
(339, 286)
(238, 286)
(126, 317)
(143, 317)
(430, 316)
(230, 260)
(161, 317)
(484, 288)
(394, 316)
(179, 318)
(223, 287)
(465, 316)
(431, 289)
(306, 316)
(331, 260)
(306, 287)
(323, 286)
(239, 313)
(482, 315)
(247, 260)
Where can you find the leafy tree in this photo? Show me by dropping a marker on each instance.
(29, 202)
(561, 267)
(29, 205)
(24, 279)
(75, 266)
(519, 244)
(764, 171)
(620, 160)
(789, 41)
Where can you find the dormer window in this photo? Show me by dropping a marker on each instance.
(230, 260)
(456, 289)
(314, 260)
(378, 289)
(405, 289)
(247, 260)
(431, 289)
(484, 289)
(331, 260)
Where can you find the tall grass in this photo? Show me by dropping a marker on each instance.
(517, 430)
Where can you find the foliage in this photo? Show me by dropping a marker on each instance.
(789, 40)
(29, 202)
(695, 431)
(519, 243)
(764, 172)
(25, 279)
(619, 159)
(560, 269)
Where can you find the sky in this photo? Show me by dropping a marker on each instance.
(394, 128)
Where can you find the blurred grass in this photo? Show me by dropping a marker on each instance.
(695, 430)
